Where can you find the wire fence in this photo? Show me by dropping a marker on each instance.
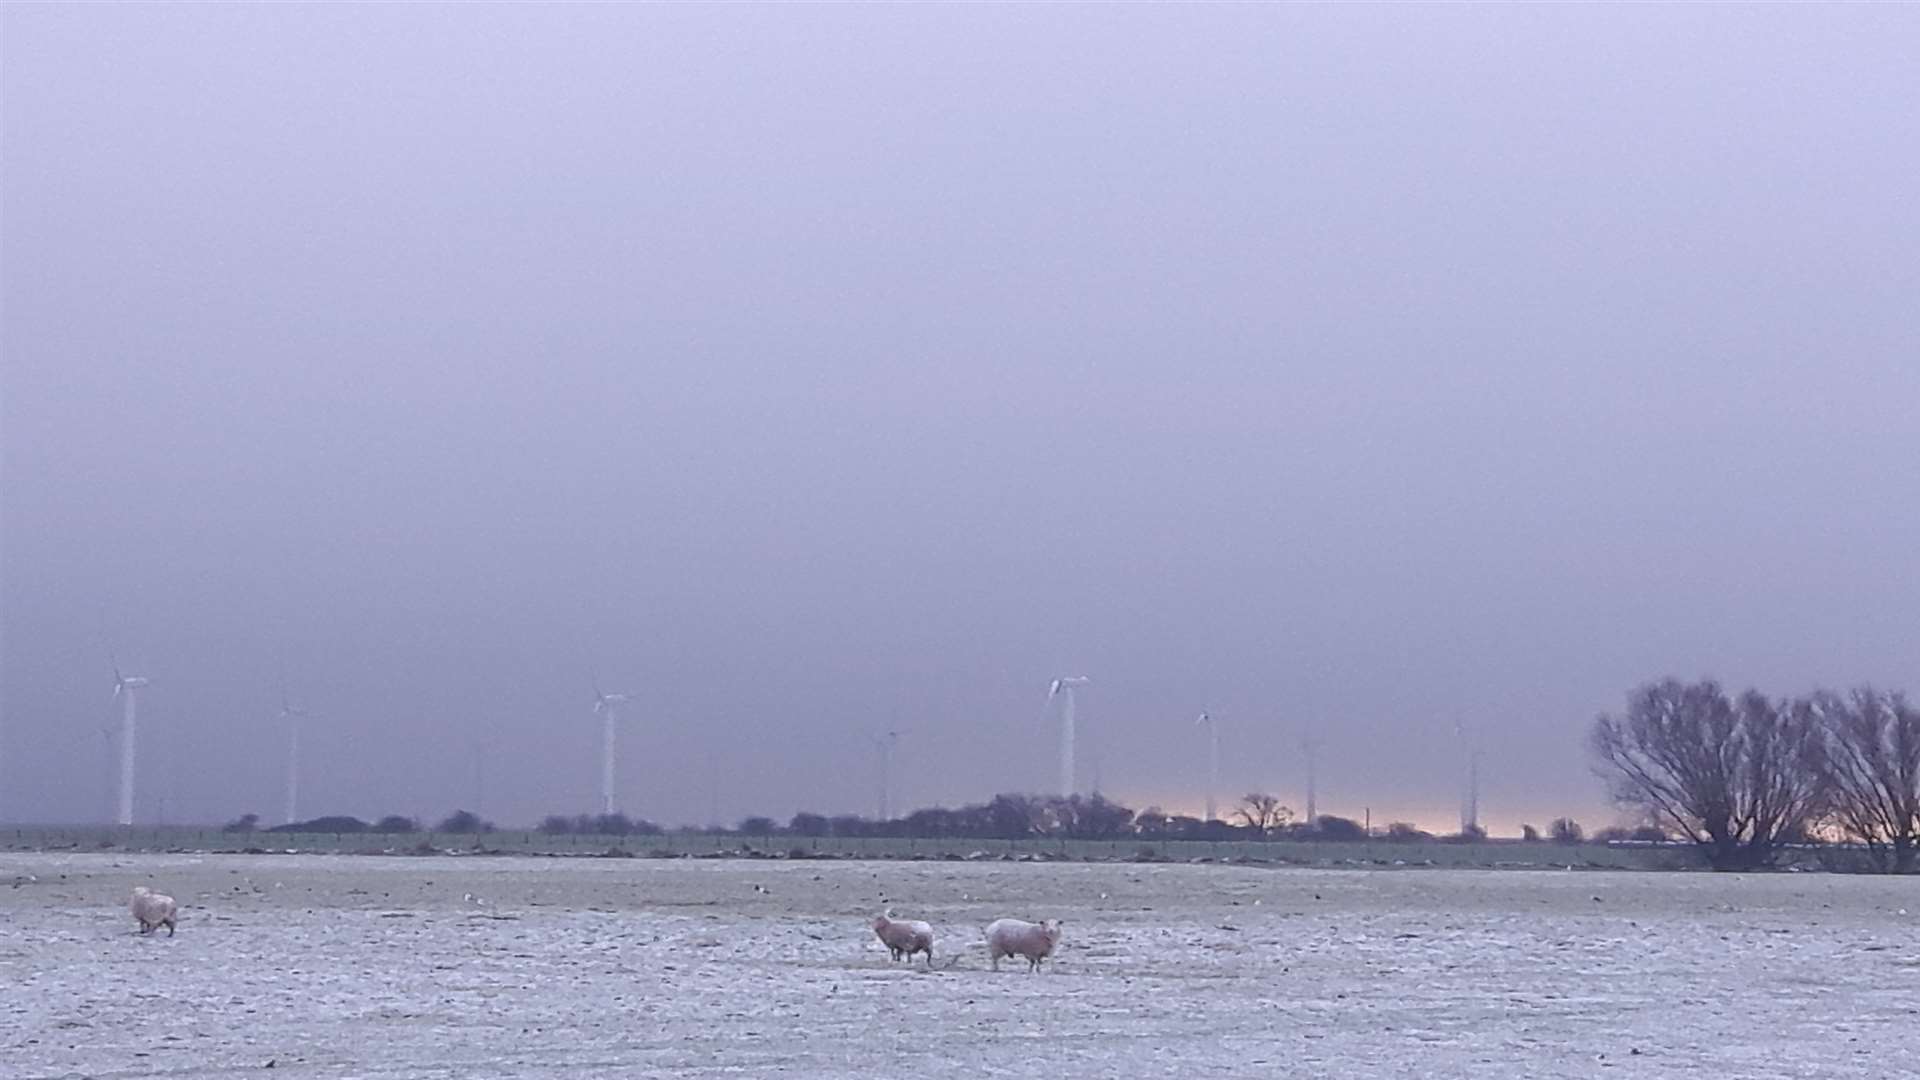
(1376, 853)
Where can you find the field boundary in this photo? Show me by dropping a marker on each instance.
(1490, 854)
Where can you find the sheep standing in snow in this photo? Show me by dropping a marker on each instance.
(1014, 937)
(153, 909)
(904, 937)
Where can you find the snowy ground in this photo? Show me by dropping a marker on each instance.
(340, 966)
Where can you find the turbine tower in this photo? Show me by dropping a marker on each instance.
(885, 744)
(479, 749)
(292, 716)
(1213, 760)
(106, 757)
(125, 689)
(1310, 750)
(1064, 688)
(1470, 794)
(606, 705)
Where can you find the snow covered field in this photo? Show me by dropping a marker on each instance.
(340, 966)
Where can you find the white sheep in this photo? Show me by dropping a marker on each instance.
(153, 909)
(904, 937)
(1014, 937)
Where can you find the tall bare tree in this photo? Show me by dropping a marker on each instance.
(1736, 778)
(1262, 813)
(1873, 771)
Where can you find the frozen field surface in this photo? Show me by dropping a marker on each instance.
(343, 966)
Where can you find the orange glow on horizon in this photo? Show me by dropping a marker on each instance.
(1440, 821)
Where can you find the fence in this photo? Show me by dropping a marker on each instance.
(1374, 853)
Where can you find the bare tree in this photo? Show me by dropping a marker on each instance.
(806, 824)
(1262, 813)
(1152, 821)
(1872, 771)
(1083, 818)
(462, 822)
(1736, 778)
(1329, 827)
(1103, 819)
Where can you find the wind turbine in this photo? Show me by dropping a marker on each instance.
(125, 689)
(479, 749)
(1064, 688)
(1470, 795)
(1310, 749)
(606, 705)
(713, 789)
(292, 716)
(106, 757)
(885, 744)
(1207, 721)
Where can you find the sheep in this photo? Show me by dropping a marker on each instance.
(1013, 937)
(153, 909)
(904, 937)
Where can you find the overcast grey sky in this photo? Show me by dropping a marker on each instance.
(814, 369)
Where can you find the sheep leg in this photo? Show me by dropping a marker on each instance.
(169, 927)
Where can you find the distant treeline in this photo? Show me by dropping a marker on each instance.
(1744, 777)
(1010, 816)
(459, 822)
(1257, 816)
(1013, 816)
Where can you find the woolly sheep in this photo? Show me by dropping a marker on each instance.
(153, 909)
(904, 937)
(1014, 937)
